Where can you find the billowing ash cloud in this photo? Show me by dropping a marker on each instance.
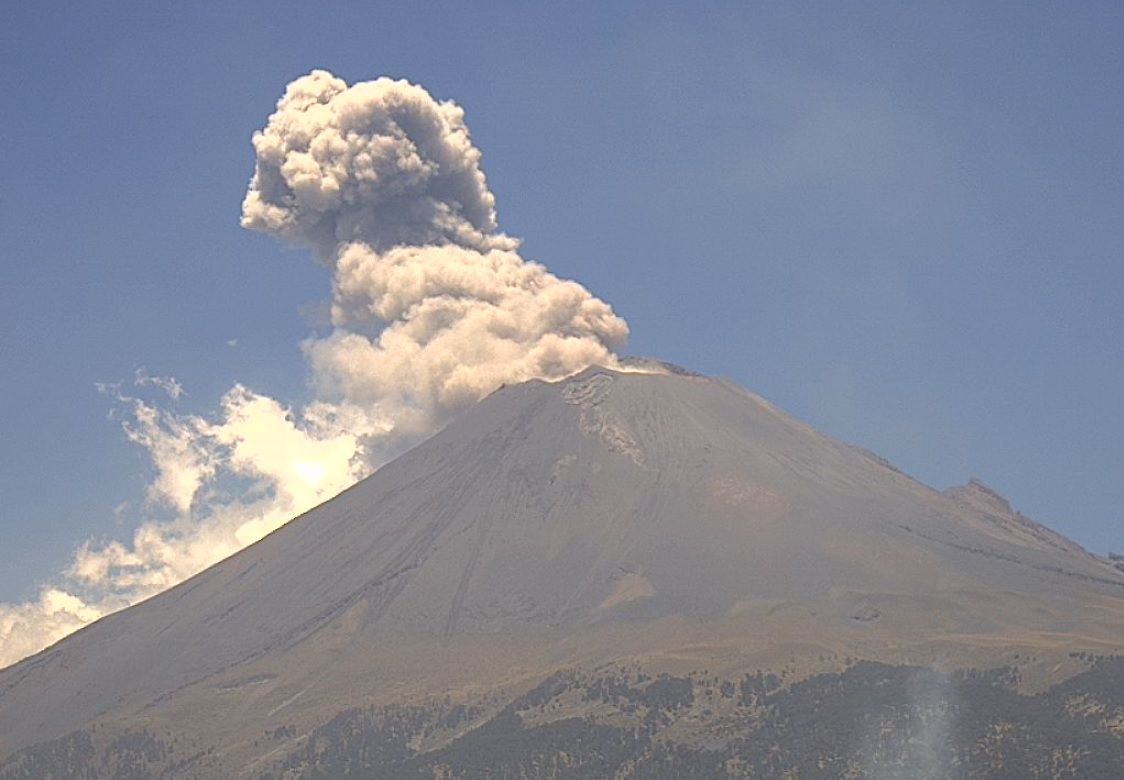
(380, 162)
(384, 184)
(432, 308)
(461, 322)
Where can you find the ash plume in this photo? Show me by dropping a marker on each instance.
(383, 183)
(432, 308)
(380, 162)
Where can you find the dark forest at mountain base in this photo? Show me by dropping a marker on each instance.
(871, 720)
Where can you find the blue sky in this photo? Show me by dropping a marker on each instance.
(901, 224)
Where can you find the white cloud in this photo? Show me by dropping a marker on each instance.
(432, 308)
(166, 383)
(282, 463)
(27, 628)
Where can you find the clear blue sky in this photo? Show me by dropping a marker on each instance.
(902, 224)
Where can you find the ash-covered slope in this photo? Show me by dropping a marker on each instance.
(665, 517)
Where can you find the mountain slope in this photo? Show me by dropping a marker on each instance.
(661, 518)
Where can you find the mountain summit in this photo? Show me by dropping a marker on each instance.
(648, 517)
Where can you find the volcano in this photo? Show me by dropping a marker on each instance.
(647, 528)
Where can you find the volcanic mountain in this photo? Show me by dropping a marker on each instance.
(647, 521)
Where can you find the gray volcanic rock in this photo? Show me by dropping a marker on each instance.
(648, 516)
(992, 506)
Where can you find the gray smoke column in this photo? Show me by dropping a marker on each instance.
(380, 162)
(432, 308)
(382, 182)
